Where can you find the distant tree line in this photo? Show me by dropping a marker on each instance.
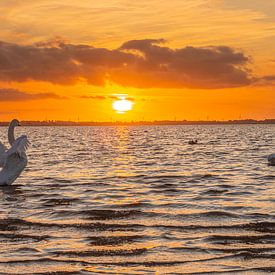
(156, 122)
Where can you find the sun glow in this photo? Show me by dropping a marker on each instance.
(122, 105)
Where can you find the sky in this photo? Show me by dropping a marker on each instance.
(191, 59)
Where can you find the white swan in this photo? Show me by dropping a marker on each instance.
(13, 160)
(271, 159)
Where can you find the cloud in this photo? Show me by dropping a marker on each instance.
(257, 5)
(101, 97)
(190, 67)
(98, 97)
(62, 64)
(137, 63)
(267, 80)
(16, 95)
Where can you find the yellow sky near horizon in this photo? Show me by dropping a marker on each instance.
(180, 86)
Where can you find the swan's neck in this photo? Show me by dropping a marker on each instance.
(11, 134)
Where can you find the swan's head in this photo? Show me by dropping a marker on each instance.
(15, 123)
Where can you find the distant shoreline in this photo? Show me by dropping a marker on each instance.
(142, 123)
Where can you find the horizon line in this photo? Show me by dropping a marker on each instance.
(141, 122)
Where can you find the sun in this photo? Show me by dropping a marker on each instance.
(122, 105)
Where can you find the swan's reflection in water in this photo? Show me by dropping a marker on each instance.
(12, 193)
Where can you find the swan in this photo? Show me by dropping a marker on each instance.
(14, 160)
(271, 159)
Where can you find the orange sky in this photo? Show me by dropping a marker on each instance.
(192, 59)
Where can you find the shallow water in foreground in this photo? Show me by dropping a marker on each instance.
(140, 200)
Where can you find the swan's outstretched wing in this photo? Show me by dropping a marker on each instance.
(15, 162)
(3, 150)
(19, 146)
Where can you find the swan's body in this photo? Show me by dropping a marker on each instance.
(271, 159)
(13, 160)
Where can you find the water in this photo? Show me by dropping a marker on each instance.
(140, 200)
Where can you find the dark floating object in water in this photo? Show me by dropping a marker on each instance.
(271, 160)
(193, 141)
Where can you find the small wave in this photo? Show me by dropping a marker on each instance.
(49, 273)
(63, 180)
(262, 252)
(14, 224)
(214, 192)
(134, 205)
(259, 216)
(113, 240)
(226, 186)
(264, 227)
(101, 253)
(166, 190)
(26, 250)
(257, 271)
(216, 214)
(239, 193)
(61, 201)
(267, 177)
(252, 239)
(103, 214)
(14, 237)
(209, 215)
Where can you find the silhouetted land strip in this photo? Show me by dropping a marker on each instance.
(135, 123)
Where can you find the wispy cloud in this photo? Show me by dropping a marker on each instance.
(265, 80)
(16, 95)
(101, 97)
(267, 7)
(97, 97)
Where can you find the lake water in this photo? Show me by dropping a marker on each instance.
(140, 200)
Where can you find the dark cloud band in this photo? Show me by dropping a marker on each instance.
(16, 95)
(137, 63)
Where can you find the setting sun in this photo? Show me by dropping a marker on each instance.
(122, 105)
